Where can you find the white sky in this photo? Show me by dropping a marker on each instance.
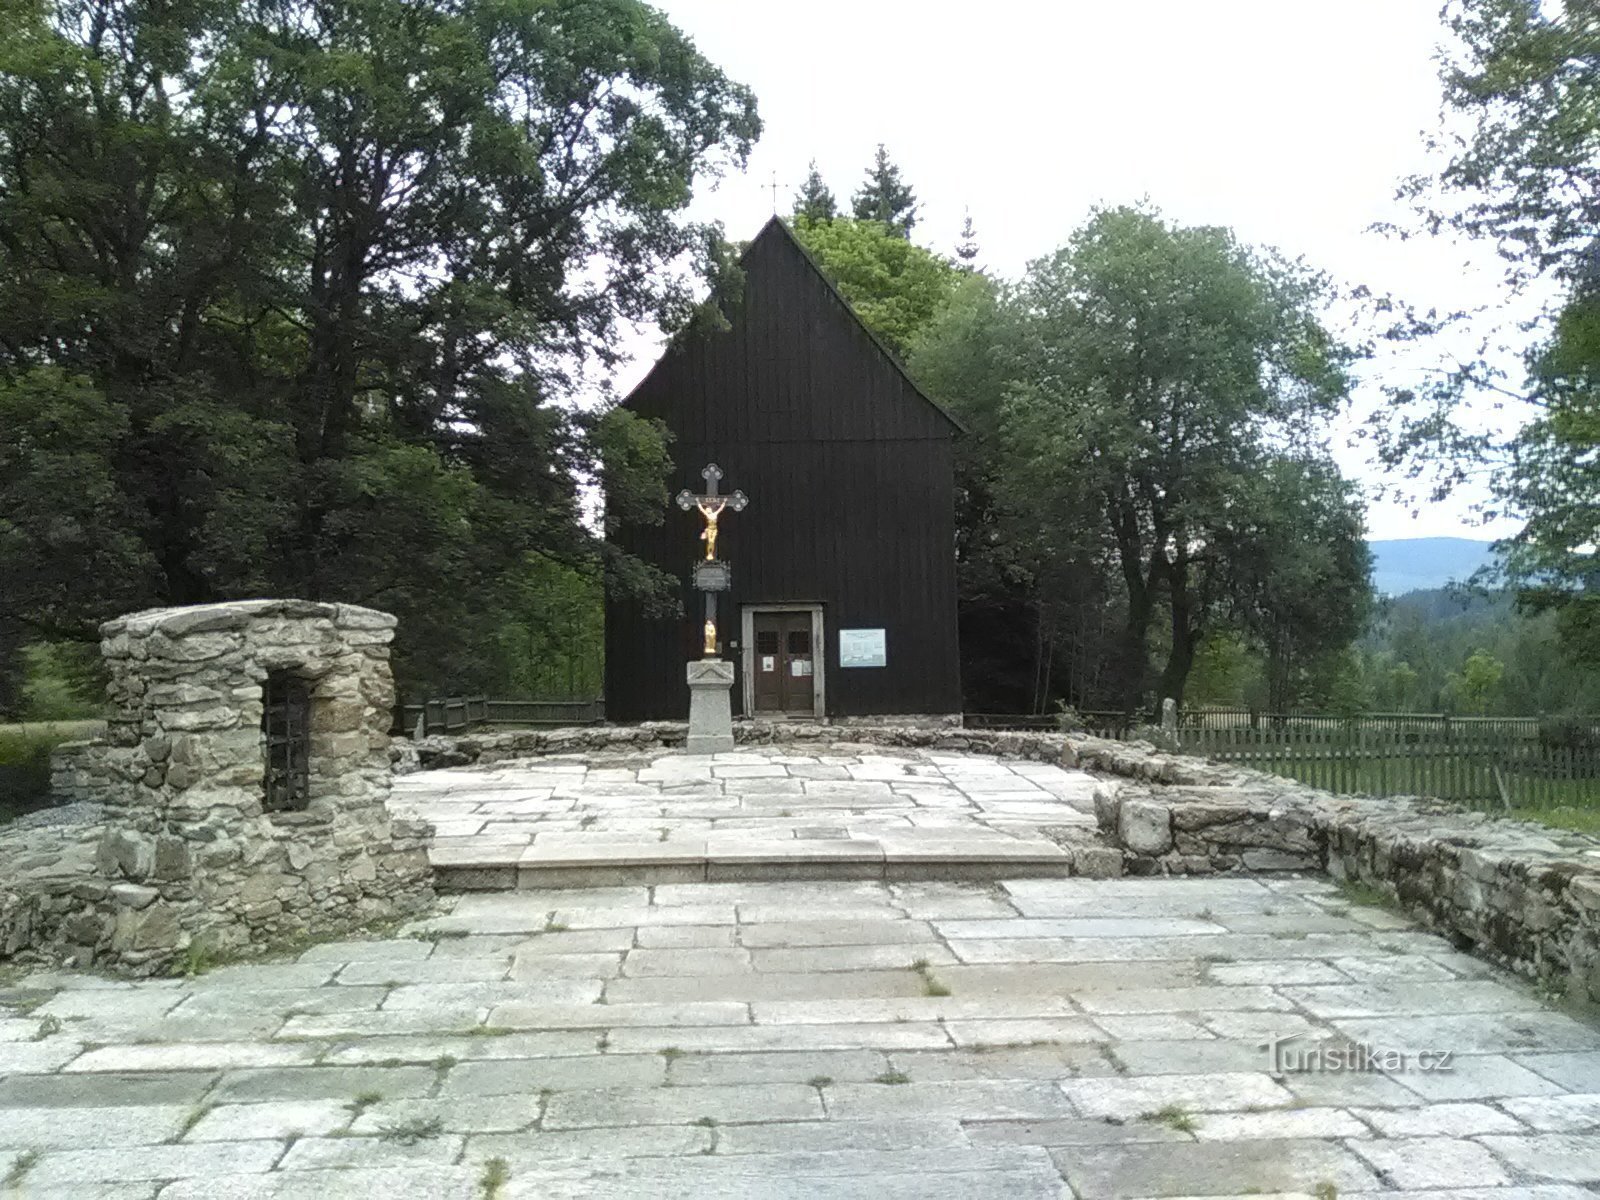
(1290, 122)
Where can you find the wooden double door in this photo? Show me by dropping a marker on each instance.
(785, 663)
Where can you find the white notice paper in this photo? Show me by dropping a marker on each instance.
(862, 648)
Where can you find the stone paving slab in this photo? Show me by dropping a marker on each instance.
(812, 1039)
(754, 814)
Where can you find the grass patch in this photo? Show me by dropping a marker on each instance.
(25, 763)
(49, 1026)
(670, 1053)
(409, 1133)
(819, 1081)
(705, 1122)
(1326, 1190)
(931, 986)
(496, 1174)
(1173, 1116)
(893, 1078)
(23, 1164)
(192, 1118)
(1574, 820)
(363, 1102)
(1363, 895)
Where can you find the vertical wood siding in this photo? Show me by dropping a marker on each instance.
(850, 473)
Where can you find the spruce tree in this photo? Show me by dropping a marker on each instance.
(967, 247)
(885, 198)
(814, 201)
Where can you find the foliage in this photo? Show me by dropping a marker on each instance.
(1124, 494)
(814, 201)
(552, 642)
(885, 198)
(896, 286)
(1161, 367)
(295, 294)
(1415, 657)
(1470, 689)
(1519, 168)
(967, 247)
(25, 764)
(65, 682)
(1297, 574)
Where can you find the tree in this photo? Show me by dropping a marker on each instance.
(1519, 168)
(296, 292)
(1296, 573)
(1160, 364)
(967, 247)
(884, 198)
(896, 286)
(814, 201)
(1471, 690)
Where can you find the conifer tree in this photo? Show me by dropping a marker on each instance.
(967, 247)
(885, 198)
(814, 201)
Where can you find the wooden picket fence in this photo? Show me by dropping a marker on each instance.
(1494, 763)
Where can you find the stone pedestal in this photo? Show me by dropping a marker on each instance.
(710, 711)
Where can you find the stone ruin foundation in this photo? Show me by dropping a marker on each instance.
(243, 775)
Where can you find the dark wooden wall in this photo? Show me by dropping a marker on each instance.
(850, 476)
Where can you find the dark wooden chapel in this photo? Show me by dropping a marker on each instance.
(843, 599)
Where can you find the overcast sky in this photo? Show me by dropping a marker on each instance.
(1290, 122)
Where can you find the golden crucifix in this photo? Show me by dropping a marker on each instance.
(711, 505)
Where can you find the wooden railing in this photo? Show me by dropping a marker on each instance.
(457, 713)
(1481, 762)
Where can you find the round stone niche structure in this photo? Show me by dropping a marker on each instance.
(249, 745)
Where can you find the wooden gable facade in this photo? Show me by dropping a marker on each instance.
(849, 537)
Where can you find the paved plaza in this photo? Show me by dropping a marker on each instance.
(891, 1039)
(1038, 1038)
(842, 811)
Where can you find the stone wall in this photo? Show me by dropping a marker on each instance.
(187, 853)
(81, 773)
(1520, 894)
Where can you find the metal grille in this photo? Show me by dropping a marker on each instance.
(286, 733)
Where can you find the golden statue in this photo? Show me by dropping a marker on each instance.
(711, 638)
(710, 508)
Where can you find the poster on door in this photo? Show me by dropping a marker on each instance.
(862, 648)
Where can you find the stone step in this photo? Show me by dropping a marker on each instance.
(607, 861)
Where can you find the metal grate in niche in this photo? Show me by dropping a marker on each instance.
(286, 734)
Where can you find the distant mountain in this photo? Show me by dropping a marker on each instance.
(1409, 564)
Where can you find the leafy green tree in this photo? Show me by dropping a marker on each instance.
(1291, 561)
(1518, 166)
(1160, 364)
(1472, 690)
(814, 201)
(896, 286)
(295, 294)
(884, 197)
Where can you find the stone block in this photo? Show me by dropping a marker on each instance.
(1145, 826)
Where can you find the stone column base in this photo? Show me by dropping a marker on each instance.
(710, 710)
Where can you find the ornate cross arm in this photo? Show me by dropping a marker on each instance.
(711, 506)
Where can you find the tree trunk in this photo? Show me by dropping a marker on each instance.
(13, 672)
(1185, 636)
